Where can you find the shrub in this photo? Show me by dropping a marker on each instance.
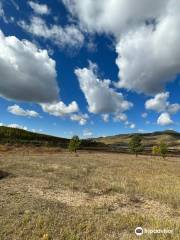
(155, 150)
(161, 149)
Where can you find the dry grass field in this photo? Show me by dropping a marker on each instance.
(92, 196)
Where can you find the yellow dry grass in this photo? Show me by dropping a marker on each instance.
(92, 196)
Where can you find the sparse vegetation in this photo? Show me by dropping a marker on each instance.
(98, 196)
(161, 149)
(135, 144)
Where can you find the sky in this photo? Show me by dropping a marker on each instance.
(90, 68)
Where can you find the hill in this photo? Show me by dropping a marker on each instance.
(117, 143)
(20, 136)
(15, 136)
(120, 142)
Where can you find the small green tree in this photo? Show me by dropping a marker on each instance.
(155, 150)
(74, 144)
(135, 145)
(163, 149)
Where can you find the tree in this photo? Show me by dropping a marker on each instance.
(163, 149)
(74, 144)
(135, 144)
(155, 150)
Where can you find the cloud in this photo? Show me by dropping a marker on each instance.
(120, 117)
(59, 109)
(41, 9)
(14, 125)
(114, 16)
(144, 115)
(105, 117)
(148, 57)
(81, 118)
(164, 119)
(100, 97)
(15, 5)
(141, 130)
(87, 133)
(160, 103)
(26, 72)
(2, 13)
(17, 110)
(173, 108)
(150, 67)
(132, 125)
(69, 35)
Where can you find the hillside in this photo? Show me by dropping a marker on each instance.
(20, 136)
(120, 142)
(15, 136)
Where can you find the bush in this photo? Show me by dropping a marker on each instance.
(155, 150)
(161, 149)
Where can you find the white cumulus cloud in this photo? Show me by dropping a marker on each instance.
(120, 117)
(160, 103)
(87, 133)
(39, 8)
(101, 98)
(144, 115)
(173, 108)
(69, 35)
(59, 109)
(114, 16)
(132, 125)
(17, 110)
(146, 35)
(105, 117)
(164, 119)
(81, 118)
(26, 72)
(14, 125)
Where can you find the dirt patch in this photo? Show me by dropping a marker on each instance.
(77, 199)
(117, 203)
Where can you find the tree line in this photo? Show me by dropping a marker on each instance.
(135, 146)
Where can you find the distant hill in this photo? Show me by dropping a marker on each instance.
(15, 136)
(117, 143)
(19, 136)
(120, 142)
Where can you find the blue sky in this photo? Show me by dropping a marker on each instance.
(70, 67)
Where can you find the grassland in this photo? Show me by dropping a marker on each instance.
(92, 196)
